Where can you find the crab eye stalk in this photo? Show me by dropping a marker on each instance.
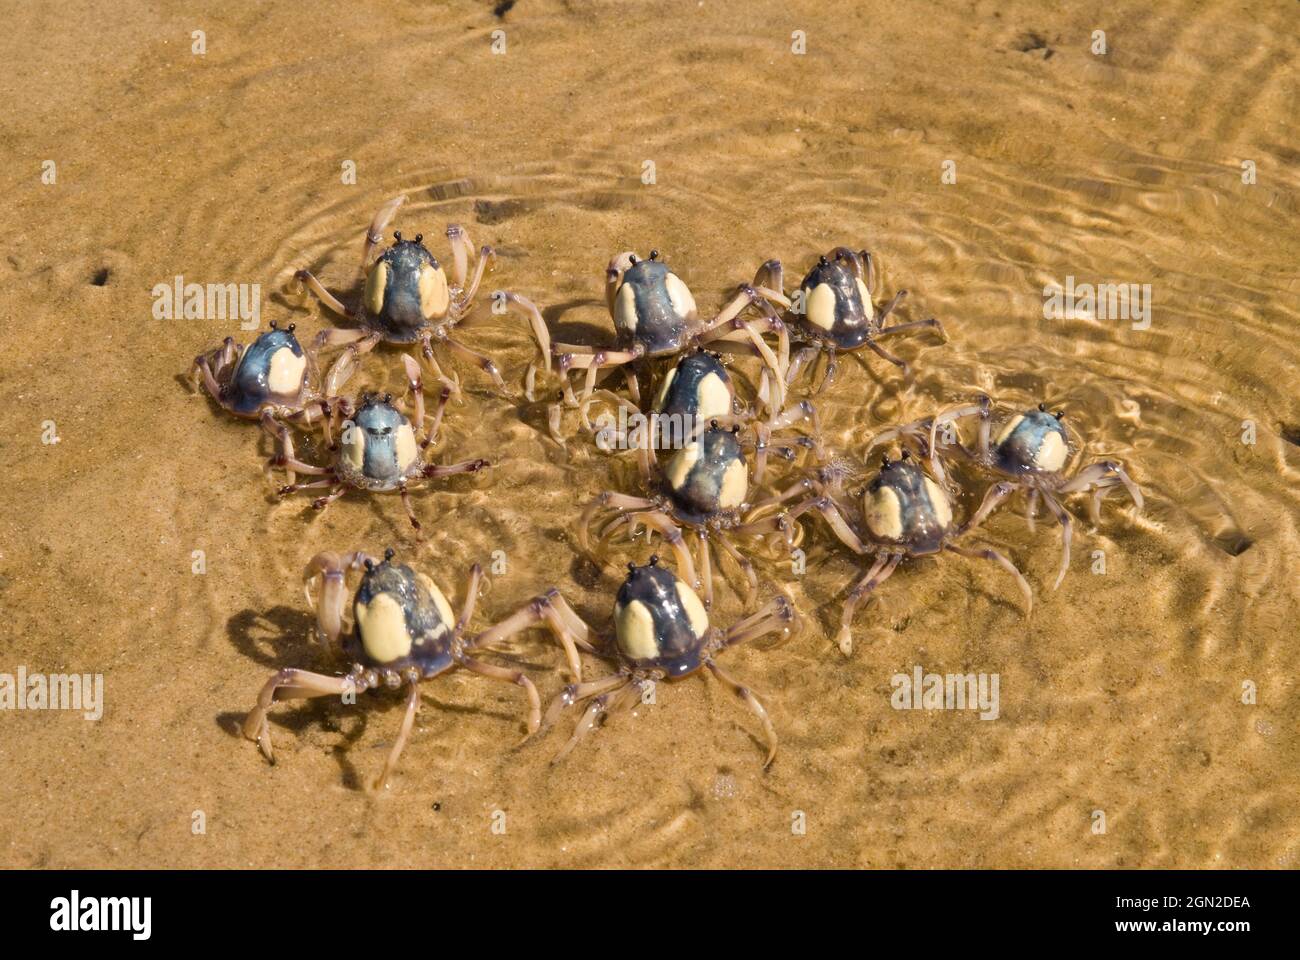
(654, 254)
(273, 325)
(419, 238)
(906, 455)
(1060, 415)
(293, 327)
(654, 559)
(1042, 408)
(389, 553)
(631, 258)
(397, 235)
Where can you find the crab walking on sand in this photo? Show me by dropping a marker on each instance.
(406, 299)
(662, 632)
(404, 632)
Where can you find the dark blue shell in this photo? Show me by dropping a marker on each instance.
(679, 647)
(424, 621)
(1018, 453)
(247, 390)
(658, 326)
(681, 402)
(698, 496)
(402, 317)
(925, 523)
(852, 324)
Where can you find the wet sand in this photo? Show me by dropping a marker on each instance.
(1122, 693)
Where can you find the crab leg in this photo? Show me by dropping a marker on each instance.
(553, 611)
(830, 510)
(747, 697)
(356, 344)
(375, 232)
(437, 471)
(660, 521)
(308, 280)
(988, 553)
(289, 684)
(332, 570)
(746, 568)
(1067, 529)
(484, 362)
(878, 574)
(897, 361)
(995, 495)
(461, 248)
(705, 565)
(619, 502)
(403, 733)
(776, 616)
(577, 692)
(508, 676)
(605, 703)
(540, 331)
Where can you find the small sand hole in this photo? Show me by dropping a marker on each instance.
(101, 276)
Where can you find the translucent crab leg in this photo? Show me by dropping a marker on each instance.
(705, 565)
(403, 733)
(437, 471)
(988, 553)
(769, 281)
(662, 523)
(461, 247)
(830, 510)
(289, 684)
(746, 568)
(992, 498)
(375, 232)
(619, 502)
(778, 615)
(483, 361)
(540, 331)
(577, 692)
(878, 574)
(552, 611)
(1097, 471)
(1067, 529)
(308, 281)
(747, 697)
(518, 678)
(605, 703)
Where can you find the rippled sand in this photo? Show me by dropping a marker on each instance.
(1123, 691)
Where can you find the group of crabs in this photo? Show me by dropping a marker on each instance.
(715, 447)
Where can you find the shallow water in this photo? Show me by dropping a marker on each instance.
(1122, 693)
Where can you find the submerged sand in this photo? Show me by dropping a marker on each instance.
(1123, 693)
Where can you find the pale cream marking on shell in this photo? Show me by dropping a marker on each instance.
(939, 501)
(375, 284)
(714, 397)
(735, 484)
(285, 375)
(1051, 453)
(407, 450)
(868, 308)
(884, 513)
(354, 445)
(820, 306)
(694, 609)
(625, 308)
(679, 295)
(681, 464)
(434, 296)
(382, 624)
(1007, 429)
(634, 628)
(439, 601)
(662, 396)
